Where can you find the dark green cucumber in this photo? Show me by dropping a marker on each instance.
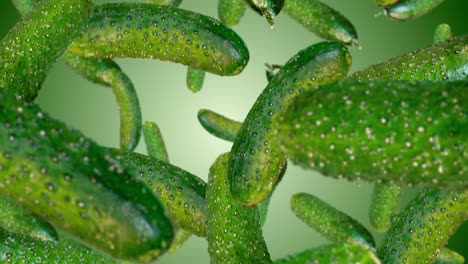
(19, 249)
(321, 20)
(181, 193)
(442, 61)
(424, 227)
(74, 184)
(219, 125)
(165, 33)
(329, 221)
(410, 9)
(230, 12)
(401, 132)
(17, 219)
(447, 256)
(443, 32)
(234, 232)
(173, 3)
(36, 42)
(384, 204)
(195, 79)
(155, 146)
(334, 253)
(256, 160)
(385, 2)
(267, 8)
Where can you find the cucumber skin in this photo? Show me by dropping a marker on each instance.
(219, 125)
(43, 162)
(424, 227)
(447, 256)
(410, 9)
(333, 253)
(165, 33)
(401, 132)
(321, 20)
(234, 232)
(439, 62)
(181, 193)
(256, 160)
(385, 2)
(24, 64)
(329, 221)
(443, 32)
(195, 79)
(230, 12)
(384, 204)
(173, 3)
(155, 146)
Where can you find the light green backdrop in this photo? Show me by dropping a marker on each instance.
(165, 100)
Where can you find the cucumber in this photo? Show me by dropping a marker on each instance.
(73, 183)
(155, 146)
(26, 63)
(424, 227)
(400, 132)
(321, 20)
(384, 204)
(162, 32)
(219, 125)
(442, 33)
(447, 256)
(334, 253)
(329, 221)
(410, 9)
(195, 79)
(17, 219)
(230, 12)
(439, 62)
(256, 160)
(234, 232)
(267, 8)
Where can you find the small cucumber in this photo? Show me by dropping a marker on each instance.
(329, 221)
(36, 42)
(218, 125)
(267, 8)
(173, 3)
(334, 253)
(442, 33)
(442, 61)
(401, 132)
(74, 184)
(17, 219)
(384, 204)
(19, 249)
(447, 256)
(165, 33)
(256, 160)
(410, 9)
(155, 145)
(424, 227)
(321, 20)
(234, 232)
(195, 79)
(230, 12)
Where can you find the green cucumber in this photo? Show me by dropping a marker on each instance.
(321, 20)
(19, 249)
(329, 221)
(17, 219)
(230, 12)
(74, 184)
(256, 160)
(384, 204)
(234, 232)
(219, 125)
(443, 32)
(410, 9)
(441, 61)
(45, 33)
(447, 256)
(165, 33)
(334, 253)
(195, 79)
(424, 227)
(173, 3)
(400, 132)
(267, 8)
(385, 2)
(181, 193)
(155, 145)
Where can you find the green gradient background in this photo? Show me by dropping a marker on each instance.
(165, 99)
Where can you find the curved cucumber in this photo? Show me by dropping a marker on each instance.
(234, 232)
(155, 145)
(424, 227)
(173, 3)
(17, 219)
(384, 204)
(443, 32)
(24, 64)
(267, 8)
(442, 61)
(329, 221)
(195, 79)
(401, 132)
(181, 193)
(410, 9)
(447, 256)
(256, 160)
(165, 33)
(219, 125)
(74, 184)
(19, 249)
(321, 20)
(230, 12)
(334, 253)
